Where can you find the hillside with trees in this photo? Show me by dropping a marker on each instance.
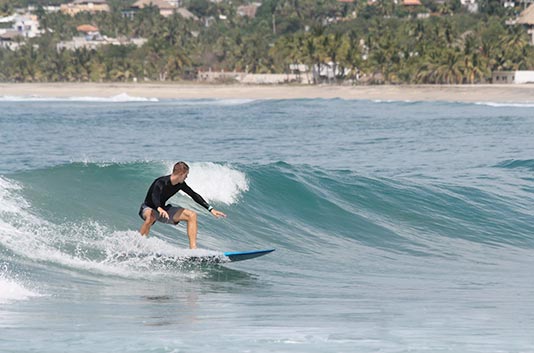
(362, 43)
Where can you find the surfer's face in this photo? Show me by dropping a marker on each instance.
(181, 177)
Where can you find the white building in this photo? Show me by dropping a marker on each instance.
(27, 25)
(94, 43)
(512, 77)
(471, 5)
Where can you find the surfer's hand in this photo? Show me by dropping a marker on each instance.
(163, 213)
(217, 214)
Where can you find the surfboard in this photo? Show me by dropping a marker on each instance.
(229, 256)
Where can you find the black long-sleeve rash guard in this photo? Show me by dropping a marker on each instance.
(162, 189)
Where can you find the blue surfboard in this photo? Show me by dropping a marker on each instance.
(229, 256)
(245, 255)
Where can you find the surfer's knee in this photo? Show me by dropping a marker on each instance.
(191, 216)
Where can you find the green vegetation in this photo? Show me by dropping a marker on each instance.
(380, 43)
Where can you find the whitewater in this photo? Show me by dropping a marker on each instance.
(398, 226)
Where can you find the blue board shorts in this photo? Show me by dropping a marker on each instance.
(171, 210)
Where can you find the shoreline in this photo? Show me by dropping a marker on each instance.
(510, 93)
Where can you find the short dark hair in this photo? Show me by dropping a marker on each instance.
(180, 168)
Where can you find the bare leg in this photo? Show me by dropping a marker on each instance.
(149, 217)
(191, 218)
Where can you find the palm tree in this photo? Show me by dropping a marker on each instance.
(335, 46)
(449, 69)
(177, 61)
(514, 44)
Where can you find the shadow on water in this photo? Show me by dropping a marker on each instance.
(185, 304)
(220, 274)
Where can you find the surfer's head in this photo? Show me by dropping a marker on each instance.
(180, 170)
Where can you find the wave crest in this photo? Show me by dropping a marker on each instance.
(120, 98)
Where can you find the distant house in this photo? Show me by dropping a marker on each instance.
(527, 18)
(411, 3)
(185, 13)
(26, 25)
(46, 8)
(248, 10)
(87, 29)
(10, 39)
(95, 41)
(512, 77)
(90, 38)
(91, 6)
(90, 32)
(166, 8)
(471, 5)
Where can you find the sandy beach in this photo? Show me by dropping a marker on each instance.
(455, 93)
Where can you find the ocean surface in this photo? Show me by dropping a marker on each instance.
(398, 226)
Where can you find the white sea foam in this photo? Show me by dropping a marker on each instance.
(10, 290)
(86, 246)
(233, 101)
(506, 105)
(120, 98)
(217, 102)
(215, 182)
(10, 202)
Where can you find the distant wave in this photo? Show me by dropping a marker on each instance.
(210, 101)
(527, 164)
(120, 98)
(506, 105)
(489, 104)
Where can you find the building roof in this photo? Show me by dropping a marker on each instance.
(162, 4)
(79, 2)
(185, 13)
(248, 10)
(411, 3)
(87, 28)
(527, 16)
(10, 35)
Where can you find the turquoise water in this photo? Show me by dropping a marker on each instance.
(399, 226)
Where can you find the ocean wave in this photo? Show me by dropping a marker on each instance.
(9, 201)
(527, 164)
(90, 244)
(299, 208)
(229, 101)
(209, 101)
(120, 98)
(506, 104)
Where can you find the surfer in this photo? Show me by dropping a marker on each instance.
(154, 208)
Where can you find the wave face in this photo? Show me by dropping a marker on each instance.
(395, 229)
(84, 215)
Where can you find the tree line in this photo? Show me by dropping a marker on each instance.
(361, 43)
